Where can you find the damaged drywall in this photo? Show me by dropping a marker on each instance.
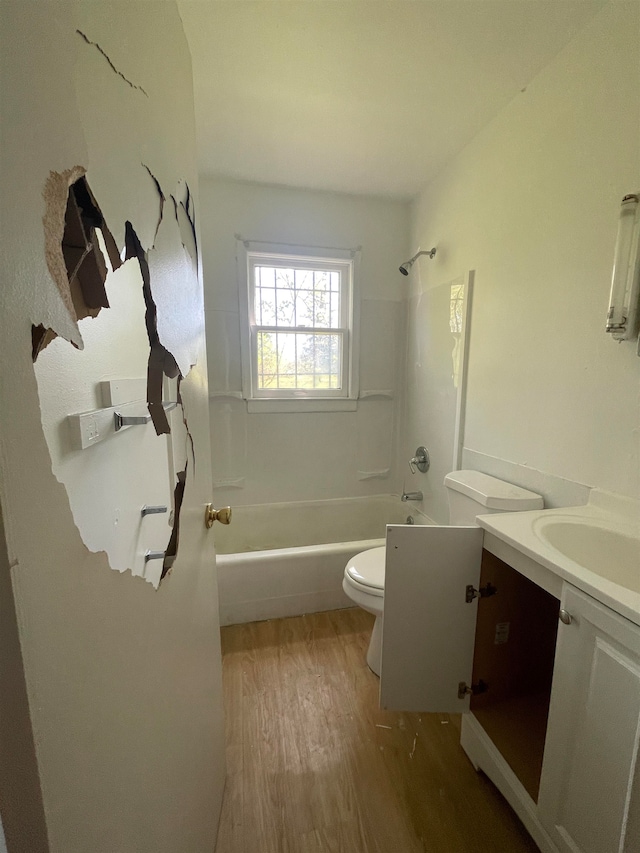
(172, 548)
(81, 264)
(173, 270)
(111, 65)
(84, 261)
(161, 361)
(161, 199)
(185, 425)
(185, 217)
(74, 258)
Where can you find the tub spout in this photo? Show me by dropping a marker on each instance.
(411, 496)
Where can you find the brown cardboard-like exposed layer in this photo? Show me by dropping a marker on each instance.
(172, 548)
(186, 425)
(185, 218)
(161, 362)
(73, 254)
(56, 197)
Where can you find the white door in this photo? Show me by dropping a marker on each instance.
(429, 627)
(119, 720)
(590, 788)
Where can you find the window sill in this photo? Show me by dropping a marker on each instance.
(277, 406)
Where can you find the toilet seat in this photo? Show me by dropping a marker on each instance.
(363, 583)
(365, 571)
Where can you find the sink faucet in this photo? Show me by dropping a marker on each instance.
(411, 496)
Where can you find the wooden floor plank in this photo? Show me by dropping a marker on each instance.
(315, 766)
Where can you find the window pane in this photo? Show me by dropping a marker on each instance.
(304, 279)
(266, 306)
(285, 308)
(322, 313)
(285, 278)
(304, 308)
(297, 360)
(265, 277)
(264, 297)
(288, 297)
(321, 279)
(268, 358)
(295, 307)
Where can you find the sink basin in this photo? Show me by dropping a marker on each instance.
(611, 553)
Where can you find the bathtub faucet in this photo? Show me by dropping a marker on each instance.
(411, 496)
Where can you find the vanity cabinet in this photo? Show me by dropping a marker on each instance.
(554, 708)
(590, 790)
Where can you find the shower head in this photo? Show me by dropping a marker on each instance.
(406, 266)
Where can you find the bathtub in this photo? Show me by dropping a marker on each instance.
(286, 559)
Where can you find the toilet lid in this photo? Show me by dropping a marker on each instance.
(367, 568)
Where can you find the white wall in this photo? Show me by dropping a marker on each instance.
(123, 682)
(532, 205)
(282, 457)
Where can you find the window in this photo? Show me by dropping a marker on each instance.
(299, 345)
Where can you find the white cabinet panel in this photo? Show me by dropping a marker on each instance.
(428, 630)
(590, 791)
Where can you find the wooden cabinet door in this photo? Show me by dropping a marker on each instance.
(429, 627)
(590, 789)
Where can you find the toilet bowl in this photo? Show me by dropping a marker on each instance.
(470, 493)
(364, 584)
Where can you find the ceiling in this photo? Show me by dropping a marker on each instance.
(361, 97)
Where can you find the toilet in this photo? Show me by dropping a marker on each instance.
(469, 493)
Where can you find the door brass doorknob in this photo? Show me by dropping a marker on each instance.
(222, 515)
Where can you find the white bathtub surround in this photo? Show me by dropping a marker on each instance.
(284, 559)
(265, 527)
(270, 453)
(437, 346)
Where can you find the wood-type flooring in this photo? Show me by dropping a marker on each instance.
(314, 765)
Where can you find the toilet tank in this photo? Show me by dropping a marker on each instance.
(471, 493)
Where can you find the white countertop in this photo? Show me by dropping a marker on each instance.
(518, 529)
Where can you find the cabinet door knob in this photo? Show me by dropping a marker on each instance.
(565, 617)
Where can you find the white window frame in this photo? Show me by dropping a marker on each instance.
(249, 255)
(342, 332)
